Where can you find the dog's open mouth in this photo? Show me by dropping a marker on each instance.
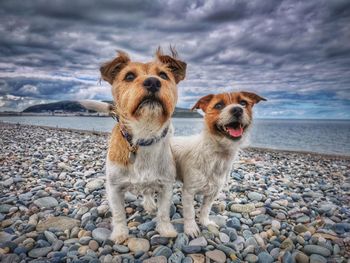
(233, 130)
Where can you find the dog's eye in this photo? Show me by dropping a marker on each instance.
(219, 105)
(243, 103)
(129, 76)
(163, 75)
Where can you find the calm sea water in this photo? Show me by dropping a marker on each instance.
(322, 136)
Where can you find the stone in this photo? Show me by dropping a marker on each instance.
(93, 245)
(251, 258)
(101, 234)
(191, 249)
(39, 252)
(51, 237)
(224, 238)
(314, 249)
(181, 240)
(158, 259)
(148, 226)
(216, 255)
(300, 228)
(242, 208)
(158, 240)
(314, 258)
(46, 202)
(61, 222)
(94, 184)
(265, 257)
(300, 257)
(255, 196)
(197, 258)
(120, 249)
(138, 244)
(162, 251)
(177, 257)
(199, 241)
(276, 224)
(287, 244)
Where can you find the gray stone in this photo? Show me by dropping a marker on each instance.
(314, 258)
(101, 234)
(314, 249)
(94, 184)
(240, 208)
(199, 241)
(162, 251)
(265, 257)
(181, 240)
(159, 259)
(46, 202)
(255, 196)
(177, 257)
(39, 252)
(224, 238)
(51, 237)
(251, 258)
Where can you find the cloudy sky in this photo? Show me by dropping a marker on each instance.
(295, 53)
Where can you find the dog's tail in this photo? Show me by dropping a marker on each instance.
(98, 106)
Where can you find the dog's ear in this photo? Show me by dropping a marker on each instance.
(110, 69)
(203, 103)
(176, 66)
(254, 97)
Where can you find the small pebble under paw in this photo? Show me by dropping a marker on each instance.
(207, 222)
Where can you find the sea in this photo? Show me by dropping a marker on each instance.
(319, 136)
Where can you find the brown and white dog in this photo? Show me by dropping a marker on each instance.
(203, 161)
(139, 157)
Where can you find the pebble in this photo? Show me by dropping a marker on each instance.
(39, 252)
(158, 259)
(199, 241)
(46, 202)
(255, 196)
(161, 251)
(60, 222)
(239, 208)
(94, 184)
(314, 258)
(216, 255)
(265, 257)
(101, 234)
(138, 244)
(314, 249)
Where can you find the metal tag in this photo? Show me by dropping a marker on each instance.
(132, 157)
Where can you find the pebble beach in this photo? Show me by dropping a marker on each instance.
(278, 206)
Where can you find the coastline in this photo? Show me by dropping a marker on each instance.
(102, 133)
(277, 206)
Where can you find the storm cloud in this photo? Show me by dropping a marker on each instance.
(294, 53)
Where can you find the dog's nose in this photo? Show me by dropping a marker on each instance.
(152, 84)
(237, 111)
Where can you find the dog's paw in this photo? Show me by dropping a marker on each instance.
(149, 205)
(206, 222)
(119, 234)
(192, 229)
(166, 229)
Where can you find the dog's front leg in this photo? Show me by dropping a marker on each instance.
(205, 210)
(191, 227)
(116, 202)
(164, 227)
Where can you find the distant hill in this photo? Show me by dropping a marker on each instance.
(76, 107)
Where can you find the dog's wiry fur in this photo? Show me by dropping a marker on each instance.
(154, 169)
(204, 160)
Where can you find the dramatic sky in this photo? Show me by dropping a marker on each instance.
(295, 53)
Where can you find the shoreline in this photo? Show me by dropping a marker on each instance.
(321, 155)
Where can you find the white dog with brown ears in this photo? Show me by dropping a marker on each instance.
(203, 161)
(139, 157)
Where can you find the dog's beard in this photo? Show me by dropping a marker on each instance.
(150, 106)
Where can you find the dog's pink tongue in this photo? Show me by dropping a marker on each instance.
(235, 132)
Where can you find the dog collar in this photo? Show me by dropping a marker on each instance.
(133, 147)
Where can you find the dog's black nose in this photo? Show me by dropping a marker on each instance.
(237, 111)
(152, 84)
